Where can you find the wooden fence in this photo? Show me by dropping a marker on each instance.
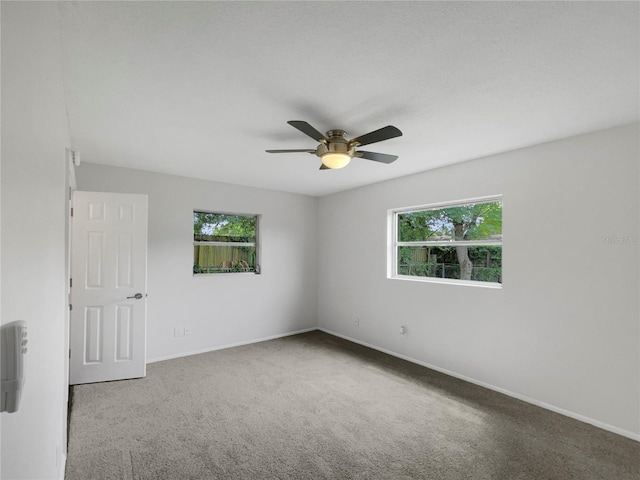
(206, 256)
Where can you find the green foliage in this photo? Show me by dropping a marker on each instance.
(220, 224)
(486, 220)
(464, 222)
(416, 226)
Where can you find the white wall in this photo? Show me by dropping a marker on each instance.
(34, 137)
(564, 329)
(220, 309)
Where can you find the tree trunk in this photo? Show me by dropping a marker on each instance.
(466, 267)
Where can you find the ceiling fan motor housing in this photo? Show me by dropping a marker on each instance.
(336, 143)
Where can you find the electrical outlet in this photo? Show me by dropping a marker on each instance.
(187, 330)
(178, 332)
(357, 321)
(403, 330)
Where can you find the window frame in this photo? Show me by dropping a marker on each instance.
(394, 243)
(256, 244)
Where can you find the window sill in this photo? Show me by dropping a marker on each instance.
(448, 281)
(221, 274)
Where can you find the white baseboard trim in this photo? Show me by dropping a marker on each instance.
(230, 345)
(62, 462)
(553, 408)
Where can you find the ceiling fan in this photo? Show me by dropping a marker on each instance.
(336, 151)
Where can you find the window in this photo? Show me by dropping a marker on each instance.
(224, 243)
(457, 242)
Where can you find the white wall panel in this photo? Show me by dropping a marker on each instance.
(564, 329)
(218, 309)
(34, 137)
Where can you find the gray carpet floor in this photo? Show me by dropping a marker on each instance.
(314, 406)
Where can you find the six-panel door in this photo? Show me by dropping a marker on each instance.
(108, 269)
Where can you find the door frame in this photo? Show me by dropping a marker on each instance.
(72, 160)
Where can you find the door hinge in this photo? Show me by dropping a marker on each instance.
(70, 307)
(69, 353)
(71, 283)
(72, 211)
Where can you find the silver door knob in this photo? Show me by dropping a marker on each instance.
(137, 296)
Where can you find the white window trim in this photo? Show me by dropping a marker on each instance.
(257, 244)
(393, 243)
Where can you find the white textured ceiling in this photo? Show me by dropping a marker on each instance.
(201, 89)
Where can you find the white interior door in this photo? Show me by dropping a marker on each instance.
(109, 283)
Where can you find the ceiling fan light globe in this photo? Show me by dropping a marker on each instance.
(336, 160)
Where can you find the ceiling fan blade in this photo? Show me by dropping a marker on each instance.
(291, 151)
(376, 157)
(324, 167)
(307, 129)
(384, 133)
